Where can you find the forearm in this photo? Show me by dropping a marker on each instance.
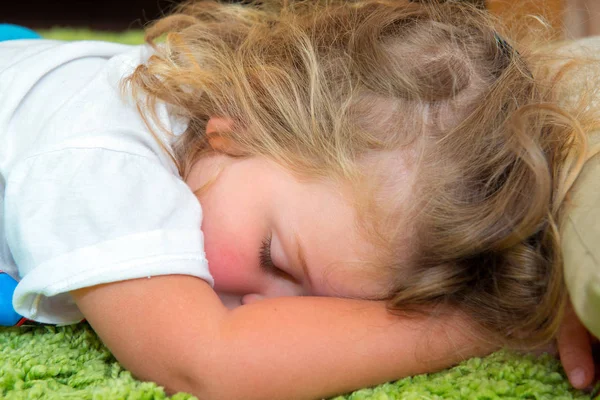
(294, 348)
(327, 346)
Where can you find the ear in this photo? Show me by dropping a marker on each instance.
(214, 128)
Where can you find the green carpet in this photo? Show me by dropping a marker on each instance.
(71, 362)
(127, 37)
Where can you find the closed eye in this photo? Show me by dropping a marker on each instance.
(266, 262)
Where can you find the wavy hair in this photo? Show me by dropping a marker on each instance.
(325, 87)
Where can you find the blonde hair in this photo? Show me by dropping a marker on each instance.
(319, 86)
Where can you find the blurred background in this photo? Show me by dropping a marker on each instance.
(572, 18)
(93, 14)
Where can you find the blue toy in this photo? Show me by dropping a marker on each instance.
(14, 32)
(8, 315)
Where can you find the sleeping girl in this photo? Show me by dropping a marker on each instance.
(287, 200)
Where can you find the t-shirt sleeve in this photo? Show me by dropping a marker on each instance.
(86, 216)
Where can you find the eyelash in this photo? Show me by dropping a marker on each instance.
(265, 255)
(266, 262)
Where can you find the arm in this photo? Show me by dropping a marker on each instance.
(174, 330)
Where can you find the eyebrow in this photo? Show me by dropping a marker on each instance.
(302, 260)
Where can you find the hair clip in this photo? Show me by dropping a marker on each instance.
(503, 45)
(509, 52)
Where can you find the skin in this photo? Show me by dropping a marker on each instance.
(272, 341)
(291, 212)
(263, 338)
(175, 331)
(314, 245)
(574, 344)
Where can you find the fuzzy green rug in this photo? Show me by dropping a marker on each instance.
(127, 37)
(71, 362)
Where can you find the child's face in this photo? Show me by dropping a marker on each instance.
(315, 246)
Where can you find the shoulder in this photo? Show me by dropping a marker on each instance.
(75, 91)
(41, 51)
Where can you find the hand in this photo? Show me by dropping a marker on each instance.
(575, 350)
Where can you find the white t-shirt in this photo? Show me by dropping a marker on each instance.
(87, 195)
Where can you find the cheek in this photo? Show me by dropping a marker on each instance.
(229, 262)
(221, 259)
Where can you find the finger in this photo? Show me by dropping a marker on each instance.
(574, 348)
